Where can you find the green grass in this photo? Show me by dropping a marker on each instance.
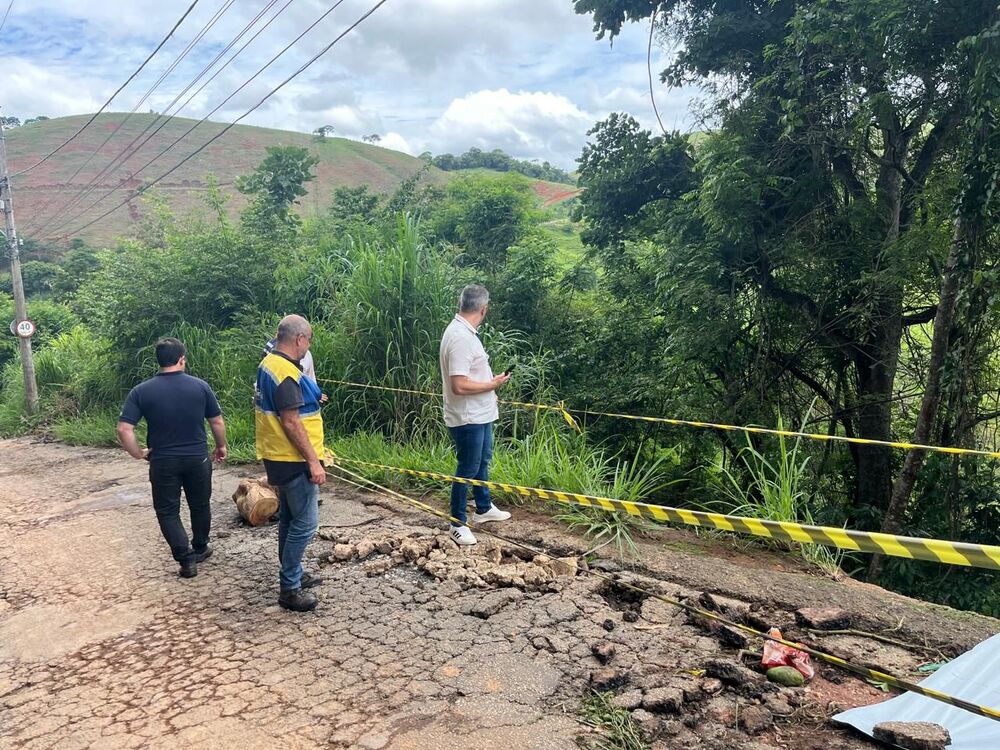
(566, 236)
(547, 459)
(97, 429)
(773, 487)
(619, 730)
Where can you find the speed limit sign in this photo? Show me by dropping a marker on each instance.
(25, 329)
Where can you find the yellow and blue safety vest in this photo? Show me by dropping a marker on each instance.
(272, 442)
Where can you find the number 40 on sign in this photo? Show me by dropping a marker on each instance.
(24, 329)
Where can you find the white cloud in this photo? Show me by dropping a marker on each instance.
(523, 75)
(30, 90)
(533, 125)
(397, 143)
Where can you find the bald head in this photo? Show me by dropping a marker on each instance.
(291, 327)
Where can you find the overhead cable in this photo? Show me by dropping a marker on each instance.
(104, 106)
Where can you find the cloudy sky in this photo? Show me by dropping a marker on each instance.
(527, 76)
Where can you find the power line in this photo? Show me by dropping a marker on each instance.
(149, 92)
(54, 232)
(7, 13)
(161, 121)
(93, 117)
(276, 89)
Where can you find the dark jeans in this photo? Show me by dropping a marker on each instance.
(474, 445)
(298, 519)
(169, 476)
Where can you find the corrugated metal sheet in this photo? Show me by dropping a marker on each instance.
(974, 676)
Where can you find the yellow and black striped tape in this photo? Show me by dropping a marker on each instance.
(836, 661)
(567, 413)
(872, 674)
(915, 548)
(522, 404)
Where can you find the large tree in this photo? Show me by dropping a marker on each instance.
(809, 198)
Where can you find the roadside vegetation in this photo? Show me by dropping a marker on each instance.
(825, 255)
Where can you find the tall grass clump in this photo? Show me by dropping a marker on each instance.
(396, 299)
(549, 458)
(774, 487)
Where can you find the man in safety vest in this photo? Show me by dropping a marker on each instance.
(290, 443)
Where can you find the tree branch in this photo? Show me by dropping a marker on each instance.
(924, 161)
(788, 364)
(920, 317)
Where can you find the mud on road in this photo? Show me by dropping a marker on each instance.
(417, 644)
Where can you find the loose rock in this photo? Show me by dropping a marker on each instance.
(493, 602)
(603, 651)
(711, 686)
(607, 679)
(343, 552)
(755, 719)
(663, 700)
(649, 724)
(732, 673)
(628, 700)
(913, 735)
(823, 619)
(778, 705)
(734, 608)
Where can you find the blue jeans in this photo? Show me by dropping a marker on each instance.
(474, 445)
(298, 519)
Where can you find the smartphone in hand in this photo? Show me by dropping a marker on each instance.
(510, 369)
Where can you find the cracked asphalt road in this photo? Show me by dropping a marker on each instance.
(103, 646)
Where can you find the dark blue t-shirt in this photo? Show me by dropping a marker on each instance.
(175, 406)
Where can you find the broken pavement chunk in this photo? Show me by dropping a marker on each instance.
(823, 618)
(913, 735)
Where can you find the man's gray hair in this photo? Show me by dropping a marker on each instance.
(292, 326)
(473, 298)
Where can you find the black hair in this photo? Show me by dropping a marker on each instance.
(169, 352)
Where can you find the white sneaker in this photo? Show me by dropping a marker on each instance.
(493, 514)
(463, 536)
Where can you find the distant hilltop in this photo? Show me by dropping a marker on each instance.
(46, 192)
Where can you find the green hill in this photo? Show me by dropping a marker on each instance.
(41, 193)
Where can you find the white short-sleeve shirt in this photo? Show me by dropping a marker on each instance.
(462, 353)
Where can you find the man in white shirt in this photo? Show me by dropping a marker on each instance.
(470, 408)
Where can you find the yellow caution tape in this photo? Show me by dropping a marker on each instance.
(915, 548)
(522, 404)
(836, 661)
(568, 412)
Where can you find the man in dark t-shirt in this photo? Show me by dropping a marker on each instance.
(175, 406)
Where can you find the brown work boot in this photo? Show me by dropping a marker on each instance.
(309, 580)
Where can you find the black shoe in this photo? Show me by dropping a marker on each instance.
(189, 568)
(298, 600)
(202, 556)
(309, 580)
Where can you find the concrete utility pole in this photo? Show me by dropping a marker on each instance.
(14, 253)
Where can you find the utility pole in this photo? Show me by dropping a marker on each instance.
(14, 253)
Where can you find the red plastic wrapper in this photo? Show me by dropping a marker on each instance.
(780, 655)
